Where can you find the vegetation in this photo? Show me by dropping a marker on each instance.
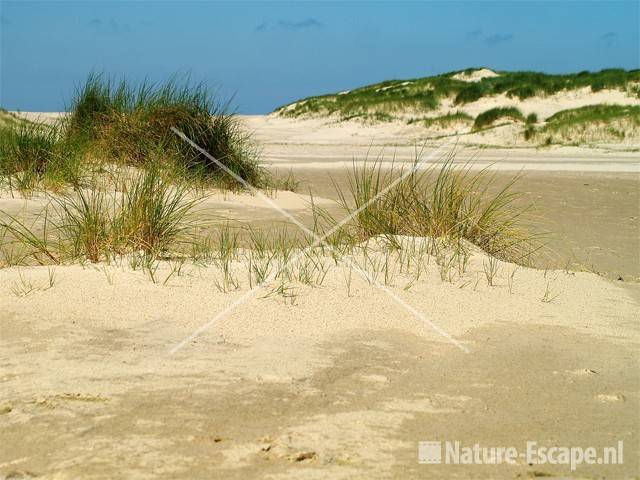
(117, 123)
(147, 221)
(490, 116)
(592, 123)
(425, 94)
(31, 154)
(593, 114)
(143, 213)
(450, 204)
(443, 121)
(133, 124)
(9, 118)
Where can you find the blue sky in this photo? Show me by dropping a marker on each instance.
(270, 53)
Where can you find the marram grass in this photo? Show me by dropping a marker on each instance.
(132, 125)
(121, 123)
(450, 202)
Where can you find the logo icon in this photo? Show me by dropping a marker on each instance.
(429, 452)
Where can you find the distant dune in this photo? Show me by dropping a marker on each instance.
(494, 108)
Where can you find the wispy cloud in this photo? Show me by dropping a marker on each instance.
(609, 38)
(262, 27)
(110, 25)
(498, 38)
(307, 23)
(474, 33)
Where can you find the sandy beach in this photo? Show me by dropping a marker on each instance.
(101, 366)
(319, 240)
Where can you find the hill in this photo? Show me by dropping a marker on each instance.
(536, 107)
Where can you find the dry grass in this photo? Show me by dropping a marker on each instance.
(149, 215)
(429, 219)
(450, 202)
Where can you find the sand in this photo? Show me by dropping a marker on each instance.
(344, 382)
(91, 389)
(475, 75)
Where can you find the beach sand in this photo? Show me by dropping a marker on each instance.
(104, 377)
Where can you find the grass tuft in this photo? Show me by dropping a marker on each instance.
(487, 118)
(149, 215)
(451, 203)
(443, 121)
(132, 124)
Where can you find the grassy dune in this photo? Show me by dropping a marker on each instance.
(426, 94)
(591, 123)
(144, 220)
(117, 123)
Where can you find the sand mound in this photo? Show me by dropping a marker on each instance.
(291, 387)
(475, 75)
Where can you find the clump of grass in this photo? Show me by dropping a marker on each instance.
(470, 94)
(594, 114)
(149, 215)
(369, 118)
(443, 121)
(530, 126)
(451, 203)
(8, 119)
(594, 123)
(117, 122)
(25, 151)
(130, 124)
(32, 153)
(490, 116)
(287, 183)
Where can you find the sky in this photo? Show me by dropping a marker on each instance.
(266, 54)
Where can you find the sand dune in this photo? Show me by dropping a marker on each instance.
(108, 373)
(342, 383)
